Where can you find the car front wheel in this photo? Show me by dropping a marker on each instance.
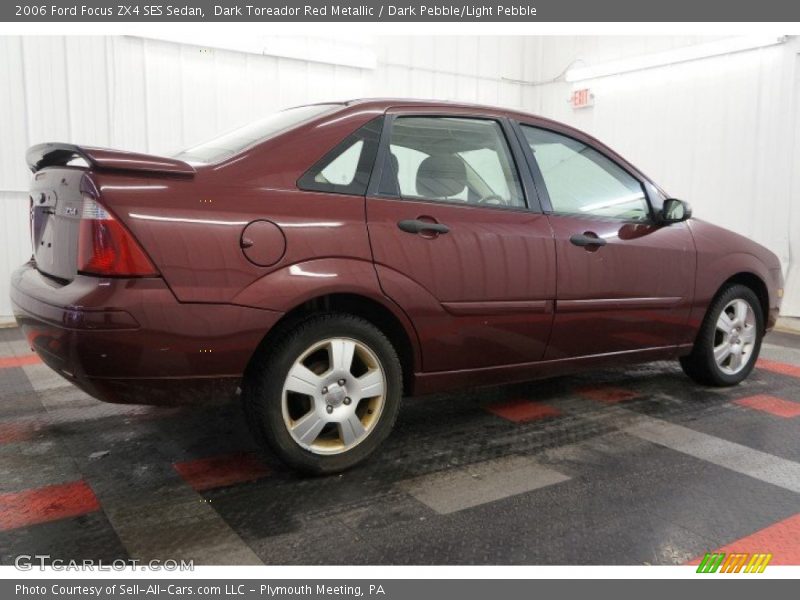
(328, 393)
(729, 340)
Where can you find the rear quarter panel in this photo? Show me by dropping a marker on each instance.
(191, 227)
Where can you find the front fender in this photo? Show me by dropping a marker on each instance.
(713, 270)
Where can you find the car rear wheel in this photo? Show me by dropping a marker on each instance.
(327, 394)
(729, 340)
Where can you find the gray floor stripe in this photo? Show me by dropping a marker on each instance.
(754, 463)
(43, 378)
(465, 487)
(780, 353)
(17, 348)
(175, 523)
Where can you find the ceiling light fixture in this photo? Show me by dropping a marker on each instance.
(675, 56)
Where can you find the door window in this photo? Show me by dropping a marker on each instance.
(582, 181)
(445, 159)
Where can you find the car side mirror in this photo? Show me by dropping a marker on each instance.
(674, 211)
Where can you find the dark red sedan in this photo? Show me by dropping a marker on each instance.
(330, 259)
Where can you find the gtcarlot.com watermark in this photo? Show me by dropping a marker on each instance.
(29, 562)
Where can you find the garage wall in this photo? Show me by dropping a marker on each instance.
(720, 132)
(159, 96)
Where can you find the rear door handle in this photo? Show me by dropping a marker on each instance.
(417, 226)
(587, 239)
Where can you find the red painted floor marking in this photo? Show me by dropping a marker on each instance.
(781, 539)
(218, 471)
(41, 505)
(778, 367)
(772, 405)
(17, 431)
(522, 411)
(607, 394)
(7, 362)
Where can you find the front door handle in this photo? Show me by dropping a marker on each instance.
(587, 239)
(417, 226)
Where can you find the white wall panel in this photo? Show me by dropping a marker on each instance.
(467, 53)
(444, 57)
(14, 118)
(128, 118)
(165, 96)
(421, 48)
(15, 236)
(791, 303)
(86, 78)
(199, 94)
(46, 96)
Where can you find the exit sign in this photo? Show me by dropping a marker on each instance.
(581, 98)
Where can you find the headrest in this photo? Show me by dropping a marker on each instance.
(389, 181)
(394, 165)
(441, 176)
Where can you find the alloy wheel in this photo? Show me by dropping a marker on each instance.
(333, 395)
(735, 336)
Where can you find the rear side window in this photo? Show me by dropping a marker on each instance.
(448, 159)
(346, 169)
(582, 181)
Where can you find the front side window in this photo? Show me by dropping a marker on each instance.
(582, 181)
(447, 159)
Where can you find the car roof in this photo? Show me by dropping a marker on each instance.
(383, 104)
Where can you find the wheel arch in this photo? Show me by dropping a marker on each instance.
(701, 364)
(395, 327)
(752, 281)
(717, 271)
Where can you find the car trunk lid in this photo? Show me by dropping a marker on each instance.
(61, 179)
(56, 205)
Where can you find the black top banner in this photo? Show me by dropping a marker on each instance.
(401, 11)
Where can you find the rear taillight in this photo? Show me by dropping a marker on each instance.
(105, 247)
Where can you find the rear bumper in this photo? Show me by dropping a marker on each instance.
(130, 340)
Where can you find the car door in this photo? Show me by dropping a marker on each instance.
(455, 243)
(625, 282)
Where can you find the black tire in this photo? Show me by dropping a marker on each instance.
(262, 390)
(700, 364)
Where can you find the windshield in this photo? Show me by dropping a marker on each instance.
(235, 141)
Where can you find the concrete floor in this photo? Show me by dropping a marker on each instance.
(629, 466)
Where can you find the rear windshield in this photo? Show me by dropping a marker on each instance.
(235, 141)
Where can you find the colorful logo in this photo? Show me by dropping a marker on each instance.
(733, 562)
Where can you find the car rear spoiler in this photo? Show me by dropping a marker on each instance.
(56, 154)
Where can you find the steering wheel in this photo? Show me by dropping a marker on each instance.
(493, 199)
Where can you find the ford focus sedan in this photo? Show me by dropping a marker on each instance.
(332, 258)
